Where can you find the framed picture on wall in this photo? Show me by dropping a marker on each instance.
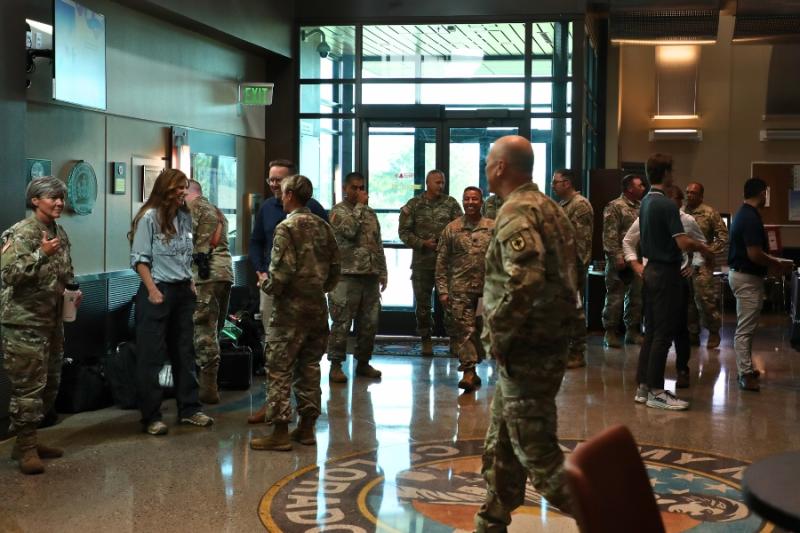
(149, 176)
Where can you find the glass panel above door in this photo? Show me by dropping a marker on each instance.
(444, 51)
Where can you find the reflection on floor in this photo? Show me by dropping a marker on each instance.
(403, 454)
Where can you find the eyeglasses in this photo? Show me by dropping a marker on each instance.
(274, 181)
(555, 182)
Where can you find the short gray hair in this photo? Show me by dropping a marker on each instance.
(44, 187)
(300, 186)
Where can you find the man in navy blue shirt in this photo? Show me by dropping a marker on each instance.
(749, 262)
(662, 240)
(269, 216)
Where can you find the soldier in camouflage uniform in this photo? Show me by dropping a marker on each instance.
(460, 269)
(357, 296)
(622, 286)
(579, 211)
(705, 287)
(36, 267)
(491, 206)
(529, 301)
(212, 272)
(304, 265)
(422, 220)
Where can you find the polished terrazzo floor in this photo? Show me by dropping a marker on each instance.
(396, 451)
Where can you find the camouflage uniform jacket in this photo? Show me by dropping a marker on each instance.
(358, 234)
(461, 256)
(33, 283)
(304, 265)
(579, 211)
(491, 206)
(422, 219)
(530, 289)
(205, 219)
(618, 216)
(711, 225)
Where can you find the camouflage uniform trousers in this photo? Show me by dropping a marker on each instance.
(423, 282)
(33, 358)
(465, 329)
(209, 317)
(577, 329)
(703, 303)
(521, 440)
(293, 355)
(619, 293)
(355, 298)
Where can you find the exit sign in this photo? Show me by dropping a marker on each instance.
(256, 93)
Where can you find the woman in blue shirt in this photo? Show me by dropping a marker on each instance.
(161, 253)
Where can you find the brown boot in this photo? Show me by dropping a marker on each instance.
(336, 374)
(29, 461)
(611, 339)
(208, 384)
(44, 451)
(304, 432)
(576, 360)
(427, 347)
(632, 336)
(469, 381)
(259, 417)
(367, 370)
(713, 340)
(278, 441)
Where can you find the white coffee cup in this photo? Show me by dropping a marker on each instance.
(71, 293)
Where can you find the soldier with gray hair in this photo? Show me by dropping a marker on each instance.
(304, 265)
(36, 268)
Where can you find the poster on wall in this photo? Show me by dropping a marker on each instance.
(149, 176)
(794, 206)
(36, 168)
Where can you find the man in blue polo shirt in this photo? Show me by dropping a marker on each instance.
(269, 216)
(662, 239)
(749, 262)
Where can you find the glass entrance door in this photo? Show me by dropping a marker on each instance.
(468, 147)
(395, 157)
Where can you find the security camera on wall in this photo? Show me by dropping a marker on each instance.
(323, 48)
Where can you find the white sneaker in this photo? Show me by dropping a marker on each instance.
(198, 419)
(666, 400)
(641, 393)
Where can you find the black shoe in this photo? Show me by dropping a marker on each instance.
(749, 382)
(683, 380)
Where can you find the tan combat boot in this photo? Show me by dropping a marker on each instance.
(29, 461)
(576, 360)
(278, 441)
(304, 432)
(713, 340)
(469, 381)
(44, 451)
(336, 374)
(611, 339)
(427, 347)
(208, 384)
(367, 370)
